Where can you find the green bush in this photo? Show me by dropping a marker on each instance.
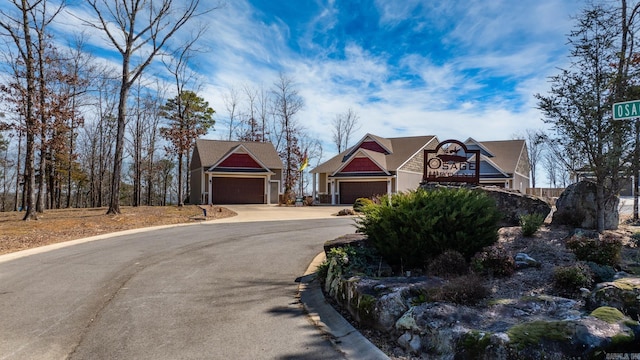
(411, 228)
(448, 264)
(530, 223)
(352, 259)
(361, 203)
(604, 251)
(494, 261)
(567, 280)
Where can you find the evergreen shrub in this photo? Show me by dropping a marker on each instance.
(605, 250)
(361, 203)
(530, 223)
(463, 290)
(494, 261)
(448, 264)
(412, 228)
(567, 280)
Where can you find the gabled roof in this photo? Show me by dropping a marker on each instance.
(401, 149)
(378, 158)
(211, 152)
(506, 153)
(472, 141)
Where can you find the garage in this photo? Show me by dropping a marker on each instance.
(350, 191)
(232, 190)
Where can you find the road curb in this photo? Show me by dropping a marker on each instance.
(344, 336)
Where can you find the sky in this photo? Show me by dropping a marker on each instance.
(454, 69)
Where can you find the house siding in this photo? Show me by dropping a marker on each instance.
(415, 164)
(407, 181)
(240, 161)
(196, 185)
(362, 164)
(523, 163)
(373, 146)
(322, 183)
(520, 183)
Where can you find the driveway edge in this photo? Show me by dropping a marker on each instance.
(344, 336)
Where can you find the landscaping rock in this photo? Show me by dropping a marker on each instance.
(513, 204)
(389, 308)
(622, 294)
(523, 260)
(355, 240)
(576, 206)
(347, 212)
(530, 327)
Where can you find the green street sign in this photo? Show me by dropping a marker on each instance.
(626, 110)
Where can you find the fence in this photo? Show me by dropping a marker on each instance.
(545, 192)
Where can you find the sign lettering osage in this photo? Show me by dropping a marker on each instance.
(451, 162)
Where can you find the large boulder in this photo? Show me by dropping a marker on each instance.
(513, 204)
(622, 294)
(576, 206)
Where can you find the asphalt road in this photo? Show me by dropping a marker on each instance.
(206, 291)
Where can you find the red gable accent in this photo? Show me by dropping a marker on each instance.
(373, 146)
(240, 161)
(361, 164)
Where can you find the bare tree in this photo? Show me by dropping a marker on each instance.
(287, 103)
(184, 77)
(99, 137)
(312, 148)
(31, 18)
(536, 140)
(231, 101)
(141, 28)
(251, 129)
(579, 102)
(152, 107)
(344, 125)
(263, 105)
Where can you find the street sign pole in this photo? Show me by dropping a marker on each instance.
(636, 171)
(624, 111)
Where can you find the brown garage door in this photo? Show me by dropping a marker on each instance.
(237, 190)
(350, 191)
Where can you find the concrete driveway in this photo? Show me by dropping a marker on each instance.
(222, 289)
(277, 213)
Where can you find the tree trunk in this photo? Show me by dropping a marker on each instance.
(600, 207)
(30, 121)
(114, 203)
(15, 201)
(180, 200)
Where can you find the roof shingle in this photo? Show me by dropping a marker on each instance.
(211, 151)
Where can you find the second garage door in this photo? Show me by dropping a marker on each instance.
(350, 191)
(228, 190)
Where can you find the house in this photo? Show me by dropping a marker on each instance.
(378, 166)
(374, 166)
(503, 163)
(235, 172)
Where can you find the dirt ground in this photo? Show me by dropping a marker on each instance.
(54, 226)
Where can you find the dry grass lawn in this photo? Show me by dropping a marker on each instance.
(54, 226)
